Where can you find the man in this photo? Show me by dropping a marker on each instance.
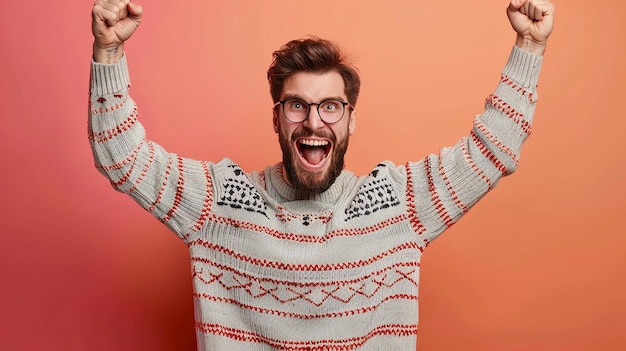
(304, 255)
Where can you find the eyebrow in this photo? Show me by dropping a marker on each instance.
(296, 96)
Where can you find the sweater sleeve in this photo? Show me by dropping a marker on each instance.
(443, 187)
(176, 190)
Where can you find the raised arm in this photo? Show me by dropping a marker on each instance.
(174, 189)
(113, 22)
(445, 186)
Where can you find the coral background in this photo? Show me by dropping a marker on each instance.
(537, 265)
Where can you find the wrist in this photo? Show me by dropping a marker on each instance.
(530, 45)
(108, 55)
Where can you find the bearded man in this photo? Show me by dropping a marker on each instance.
(305, 255)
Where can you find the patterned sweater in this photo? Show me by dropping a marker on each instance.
(273, 269)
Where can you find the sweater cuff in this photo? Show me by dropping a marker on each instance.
(523, 68)
(109, 78)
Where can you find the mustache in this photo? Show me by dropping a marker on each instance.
(310, 134)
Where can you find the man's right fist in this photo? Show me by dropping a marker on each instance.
(112, 23)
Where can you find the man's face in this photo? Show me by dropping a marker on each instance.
(313, 151)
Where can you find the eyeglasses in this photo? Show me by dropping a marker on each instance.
(297, 110)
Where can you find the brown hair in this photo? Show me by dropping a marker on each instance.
(313, 55)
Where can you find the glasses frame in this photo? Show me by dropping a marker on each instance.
(343, 103)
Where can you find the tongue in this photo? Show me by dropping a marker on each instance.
(313, 155)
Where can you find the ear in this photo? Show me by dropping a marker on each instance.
(275, 119)
(352, 122)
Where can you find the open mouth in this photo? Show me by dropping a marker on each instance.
(313, 151)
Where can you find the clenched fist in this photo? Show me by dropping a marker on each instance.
(533, 21)
(113, 22)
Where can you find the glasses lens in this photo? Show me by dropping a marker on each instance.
(296, 110)
(331, 111)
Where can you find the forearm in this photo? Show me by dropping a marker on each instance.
(509, 110)
(114, 131)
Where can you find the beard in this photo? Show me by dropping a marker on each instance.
(312, 182)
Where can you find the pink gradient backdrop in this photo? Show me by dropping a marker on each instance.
(537, 265)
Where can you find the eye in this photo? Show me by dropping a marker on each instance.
(331, 105)
(295, 104)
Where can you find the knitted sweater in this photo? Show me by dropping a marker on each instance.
(273, 269)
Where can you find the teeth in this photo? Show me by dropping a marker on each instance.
(313, 142)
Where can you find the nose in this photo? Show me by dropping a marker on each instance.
(314, 120)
